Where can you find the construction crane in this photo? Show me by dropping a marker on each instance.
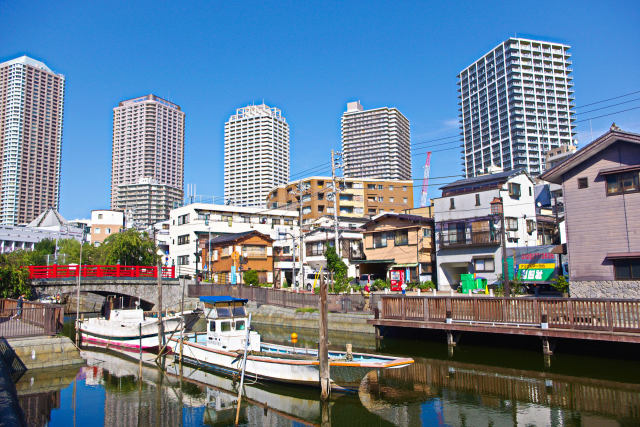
(425, 181)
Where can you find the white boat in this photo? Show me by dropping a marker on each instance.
(128, 329)
(221, 349)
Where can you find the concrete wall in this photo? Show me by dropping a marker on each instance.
(45, 352)
(605, 289)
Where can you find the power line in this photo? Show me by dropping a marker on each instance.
(608, 99)
(608, 114)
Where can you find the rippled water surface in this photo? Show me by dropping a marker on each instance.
(477, 385)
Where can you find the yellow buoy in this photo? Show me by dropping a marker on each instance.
(294, 336)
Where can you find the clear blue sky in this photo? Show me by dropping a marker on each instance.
(307, 58)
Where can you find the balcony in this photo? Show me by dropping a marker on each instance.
(453, 239)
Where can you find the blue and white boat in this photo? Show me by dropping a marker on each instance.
(221, 349)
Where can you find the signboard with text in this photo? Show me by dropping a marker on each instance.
(533, 264)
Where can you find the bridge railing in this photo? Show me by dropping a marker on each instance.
(615, 315)
(32, 319)
(129, 271)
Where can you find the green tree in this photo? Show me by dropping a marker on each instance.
(129, 247)
(46, 246)
(14, 281)
(250, 277)
(338, 269)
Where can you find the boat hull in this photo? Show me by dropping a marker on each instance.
(345, 375)
(129, 337)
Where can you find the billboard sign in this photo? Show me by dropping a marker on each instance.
(533, 264)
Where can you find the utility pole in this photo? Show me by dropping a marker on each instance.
(323, 345)
(334, 155)
(159, 280)
(505, 268)
(78, 290)
(302, 188)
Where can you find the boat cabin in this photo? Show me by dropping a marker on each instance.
(227, 324)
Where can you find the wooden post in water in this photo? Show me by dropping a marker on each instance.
(160, 324)
(323, 350)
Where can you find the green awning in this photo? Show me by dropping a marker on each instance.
(415, 264)
(373, 261)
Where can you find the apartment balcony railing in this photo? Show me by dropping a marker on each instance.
(450, 239)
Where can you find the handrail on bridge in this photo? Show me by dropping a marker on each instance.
(64, 271)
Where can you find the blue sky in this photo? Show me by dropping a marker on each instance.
(306, 58)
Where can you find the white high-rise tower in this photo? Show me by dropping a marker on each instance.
(31, 112)
(515, 104)
(256, 155)
(376, 143)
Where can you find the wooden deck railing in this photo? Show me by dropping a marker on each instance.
(33, 319)
(563, 313)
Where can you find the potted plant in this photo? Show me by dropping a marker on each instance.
(561, 284)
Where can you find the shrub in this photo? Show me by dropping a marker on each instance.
(306, 310)
(251, 277)
(560, 284)
(380, 284)
(427, 285)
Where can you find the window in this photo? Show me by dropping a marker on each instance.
(483, 264)
(183, 240)
(583, 183)
(391, 188)
(477, 200)
(531, 226)
(452, 203)
(225, 326)
(183, 260)
(240, 325)
(391, 199)
(97, 230)
(203, 216)
(626, 269)
(306, 198)
(401, 238)
(381, 199)
(306, 210)
(622, 183)
(380, 240)
(275, 221)
(404, 188)
(380, 187)
(511, 223)
(426, 232)
(254, 251)
(227, 217)
(288, 222)
(212, 326)
(108, 231)
(371, 186)
(183, 219)
(514, 190)
(530, 191)
(99, 216)
(315, 249)
(404, 200)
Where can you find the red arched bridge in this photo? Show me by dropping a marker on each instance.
(139, 282)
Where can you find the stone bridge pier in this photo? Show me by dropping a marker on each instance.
(144, 289)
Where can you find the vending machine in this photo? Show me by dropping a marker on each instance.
(397, 279)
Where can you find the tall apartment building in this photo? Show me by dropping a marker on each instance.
(31, 111)
(148, 151)
(256, 154)
(375, 143)
(515, 104)
(357, 198)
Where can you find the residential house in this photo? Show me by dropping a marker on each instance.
(104, 223)
(399, 241)
(468, 236)
(322, 235)
(601, 187)
(191, 227)
(232, 255)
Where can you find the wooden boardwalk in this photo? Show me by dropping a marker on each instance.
(570, 318)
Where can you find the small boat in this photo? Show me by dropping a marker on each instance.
(132, 328)
(221, 350)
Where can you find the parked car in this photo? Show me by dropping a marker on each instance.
(310, 279)
(368, 279)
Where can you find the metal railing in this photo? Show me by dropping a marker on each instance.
(614, 315)
(336, 302)
(31, 319)
(66, 271)
(473, 238)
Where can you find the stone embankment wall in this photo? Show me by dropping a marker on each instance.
(45, 352)
(288, 317)
(605, 289)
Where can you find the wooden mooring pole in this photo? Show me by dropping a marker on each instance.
(323, 344)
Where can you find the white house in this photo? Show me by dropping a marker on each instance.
(322, 235)
(468, 234)
(193, 225)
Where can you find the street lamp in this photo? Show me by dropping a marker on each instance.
(497, 210)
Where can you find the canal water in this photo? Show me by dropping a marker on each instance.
(476, 385)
